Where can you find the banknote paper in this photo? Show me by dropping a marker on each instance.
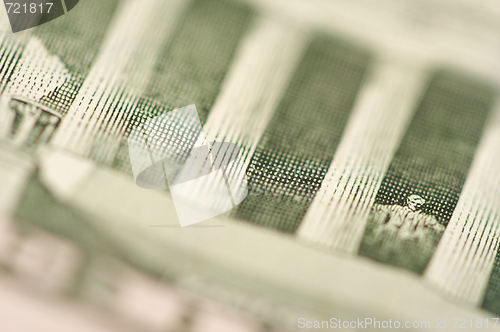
(289, 83)
(422, 185)
(295, 150)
